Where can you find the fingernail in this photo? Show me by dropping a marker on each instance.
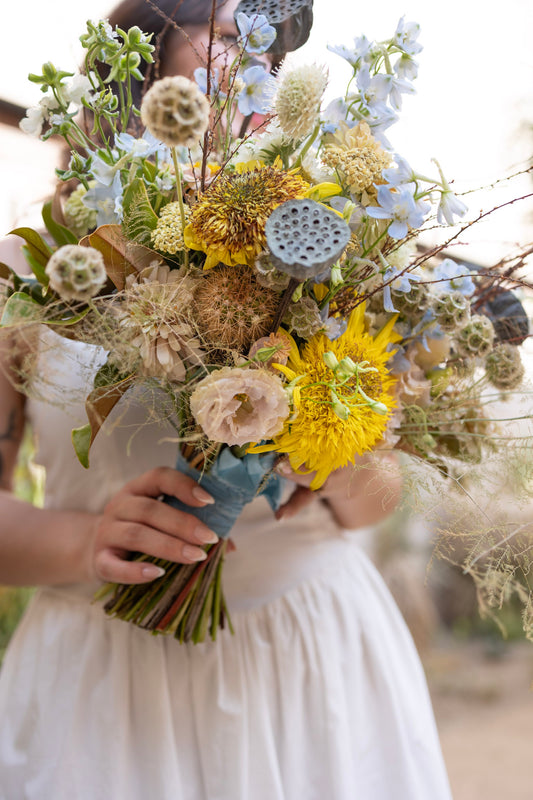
(194, 553)
(203, 496)
(204, 535)
(284, 467)
(152, 572)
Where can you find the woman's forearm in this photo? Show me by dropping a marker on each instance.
(370, 495)
(42, 546)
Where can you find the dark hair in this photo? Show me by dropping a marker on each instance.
(159, 17)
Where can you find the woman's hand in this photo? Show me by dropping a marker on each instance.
(134, 520)
(359, 494)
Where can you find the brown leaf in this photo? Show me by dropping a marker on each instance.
(121, 257)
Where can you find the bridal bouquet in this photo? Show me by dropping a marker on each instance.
(253, 254)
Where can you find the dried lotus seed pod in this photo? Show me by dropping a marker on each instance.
(292, 20)
(305, 238)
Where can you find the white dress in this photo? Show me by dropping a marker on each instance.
(319, 694)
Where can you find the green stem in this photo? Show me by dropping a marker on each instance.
(179, 192)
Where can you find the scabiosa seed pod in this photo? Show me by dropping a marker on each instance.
(76, 273)
(504, 368)
(268, 276)
(452, 311)
(298, 99)
(303, 318)
(414, 303)
(175, 111)
(476, 337)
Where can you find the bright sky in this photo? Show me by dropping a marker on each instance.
(471, 110)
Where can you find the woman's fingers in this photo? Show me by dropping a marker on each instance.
(300, 498)
(110, 566)
(165, 480)
(161, 517)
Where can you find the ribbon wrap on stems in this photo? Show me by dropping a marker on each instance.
(233, 483)
(188, 601)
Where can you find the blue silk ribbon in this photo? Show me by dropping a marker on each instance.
(232, 482)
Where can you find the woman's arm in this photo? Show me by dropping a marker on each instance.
(41, 546)
(357, 495)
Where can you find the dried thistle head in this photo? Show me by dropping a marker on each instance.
(231, 310)
(298, 99)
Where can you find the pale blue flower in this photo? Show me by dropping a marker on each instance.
(103, 172)
(450, 206)
(406, 67)
(406, 35)
(200, 76)
(400, 282)
(141, 147)
(401, 173)
(453, 277)
(257, 34)
(397, 87)
(106, 201)
(256, 96)
(360, 52)
(400, 207)
(374, 91)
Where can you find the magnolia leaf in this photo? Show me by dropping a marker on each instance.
(60, 234)
(98, 406)
(20, 308)
(6, 272)
(121, 257)
(38, 250)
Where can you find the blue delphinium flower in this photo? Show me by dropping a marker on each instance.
(406, 35)
(449, 207)
(200, 76)
(257, 92)
(257, 34)
(106, 200)
(453, 277)
(401, 207)
(400, 282)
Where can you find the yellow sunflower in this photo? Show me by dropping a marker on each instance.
(318, 440)
(228, 222)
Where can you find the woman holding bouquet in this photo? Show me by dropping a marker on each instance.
(319, 693)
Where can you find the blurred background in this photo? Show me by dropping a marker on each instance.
(474, 112)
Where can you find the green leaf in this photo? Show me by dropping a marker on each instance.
(69, 320)
(81, 439)
(36, 250)
(36, 267)
(60, 234)
(20, 308)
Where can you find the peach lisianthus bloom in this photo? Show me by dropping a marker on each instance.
(235, 405)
